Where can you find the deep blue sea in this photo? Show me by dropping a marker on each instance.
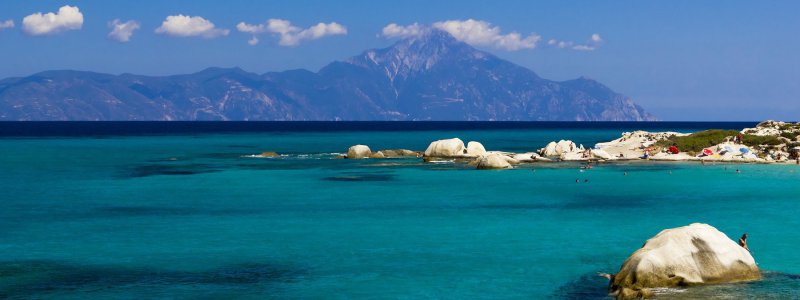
(150, 210)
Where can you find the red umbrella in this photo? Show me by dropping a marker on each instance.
(708, 152)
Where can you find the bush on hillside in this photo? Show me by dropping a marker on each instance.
(695, 142)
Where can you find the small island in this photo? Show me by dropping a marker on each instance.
(769, 142)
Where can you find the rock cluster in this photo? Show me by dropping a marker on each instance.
(630, 146)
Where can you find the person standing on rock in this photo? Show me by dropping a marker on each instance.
(743, 242)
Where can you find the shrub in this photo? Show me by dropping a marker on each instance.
(756, 140)
(790, 135)
(695, 142)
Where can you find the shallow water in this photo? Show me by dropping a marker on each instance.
(192, 216)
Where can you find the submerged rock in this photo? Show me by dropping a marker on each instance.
(268, 154)
(358, 151)
(446, 148)
(494, 161)
(689, 255)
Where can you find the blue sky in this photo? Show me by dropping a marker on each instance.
(681, 60)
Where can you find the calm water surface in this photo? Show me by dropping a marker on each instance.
(187, 215)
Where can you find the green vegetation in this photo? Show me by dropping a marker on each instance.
(756, 140)
(790, 135)
(695, 142)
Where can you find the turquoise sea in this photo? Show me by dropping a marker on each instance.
(143, 212)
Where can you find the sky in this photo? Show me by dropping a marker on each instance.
(680, 60)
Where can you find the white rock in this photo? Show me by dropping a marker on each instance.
(565, 146)
(493, 161)
(549, 150)
(526, 157)
(557, 148)
(475, 149)
(600, 153)
(446, 148)
(358, 151)
(688, 255)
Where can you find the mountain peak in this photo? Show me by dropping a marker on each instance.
(429, 76)
(417, 54)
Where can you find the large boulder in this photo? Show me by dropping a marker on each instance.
(549, 150)
(494, 161)
(554, 149)
(358, 151)
(689, 255)
(446, 148)
(475, 149)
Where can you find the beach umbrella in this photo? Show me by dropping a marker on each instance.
(744, 150)
(708, 152)
(728, 148)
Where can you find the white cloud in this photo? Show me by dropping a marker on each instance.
(122, 32)
(290, 35)
(482, 33)
(6, 24)
(592, 44)
(473, 32)
(398, 31)
(584, 48)
(67, 18)
(190, 26)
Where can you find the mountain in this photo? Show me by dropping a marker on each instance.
(429, 77)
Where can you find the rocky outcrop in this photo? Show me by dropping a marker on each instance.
(358, 151)
(475, 149)
(689, 255)
(268, 154)
(493, 161)
(555, 149)
(446, 148)
(527, 157)
(400, 153)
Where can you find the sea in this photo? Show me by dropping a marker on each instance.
(183, 210)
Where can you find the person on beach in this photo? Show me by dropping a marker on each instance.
(739, 138)
(743, 242)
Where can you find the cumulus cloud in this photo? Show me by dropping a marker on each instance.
(473, 32)
(6, 24)
(290, 35)
(190, 26)
(592, 44)
(398, 31)
(67, 18)
(482, 33)
(122, 32)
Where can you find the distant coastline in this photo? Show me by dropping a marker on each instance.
(104, 128)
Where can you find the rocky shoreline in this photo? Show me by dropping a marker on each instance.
(769, 142)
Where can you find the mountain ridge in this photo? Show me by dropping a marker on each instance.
(432, 76)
